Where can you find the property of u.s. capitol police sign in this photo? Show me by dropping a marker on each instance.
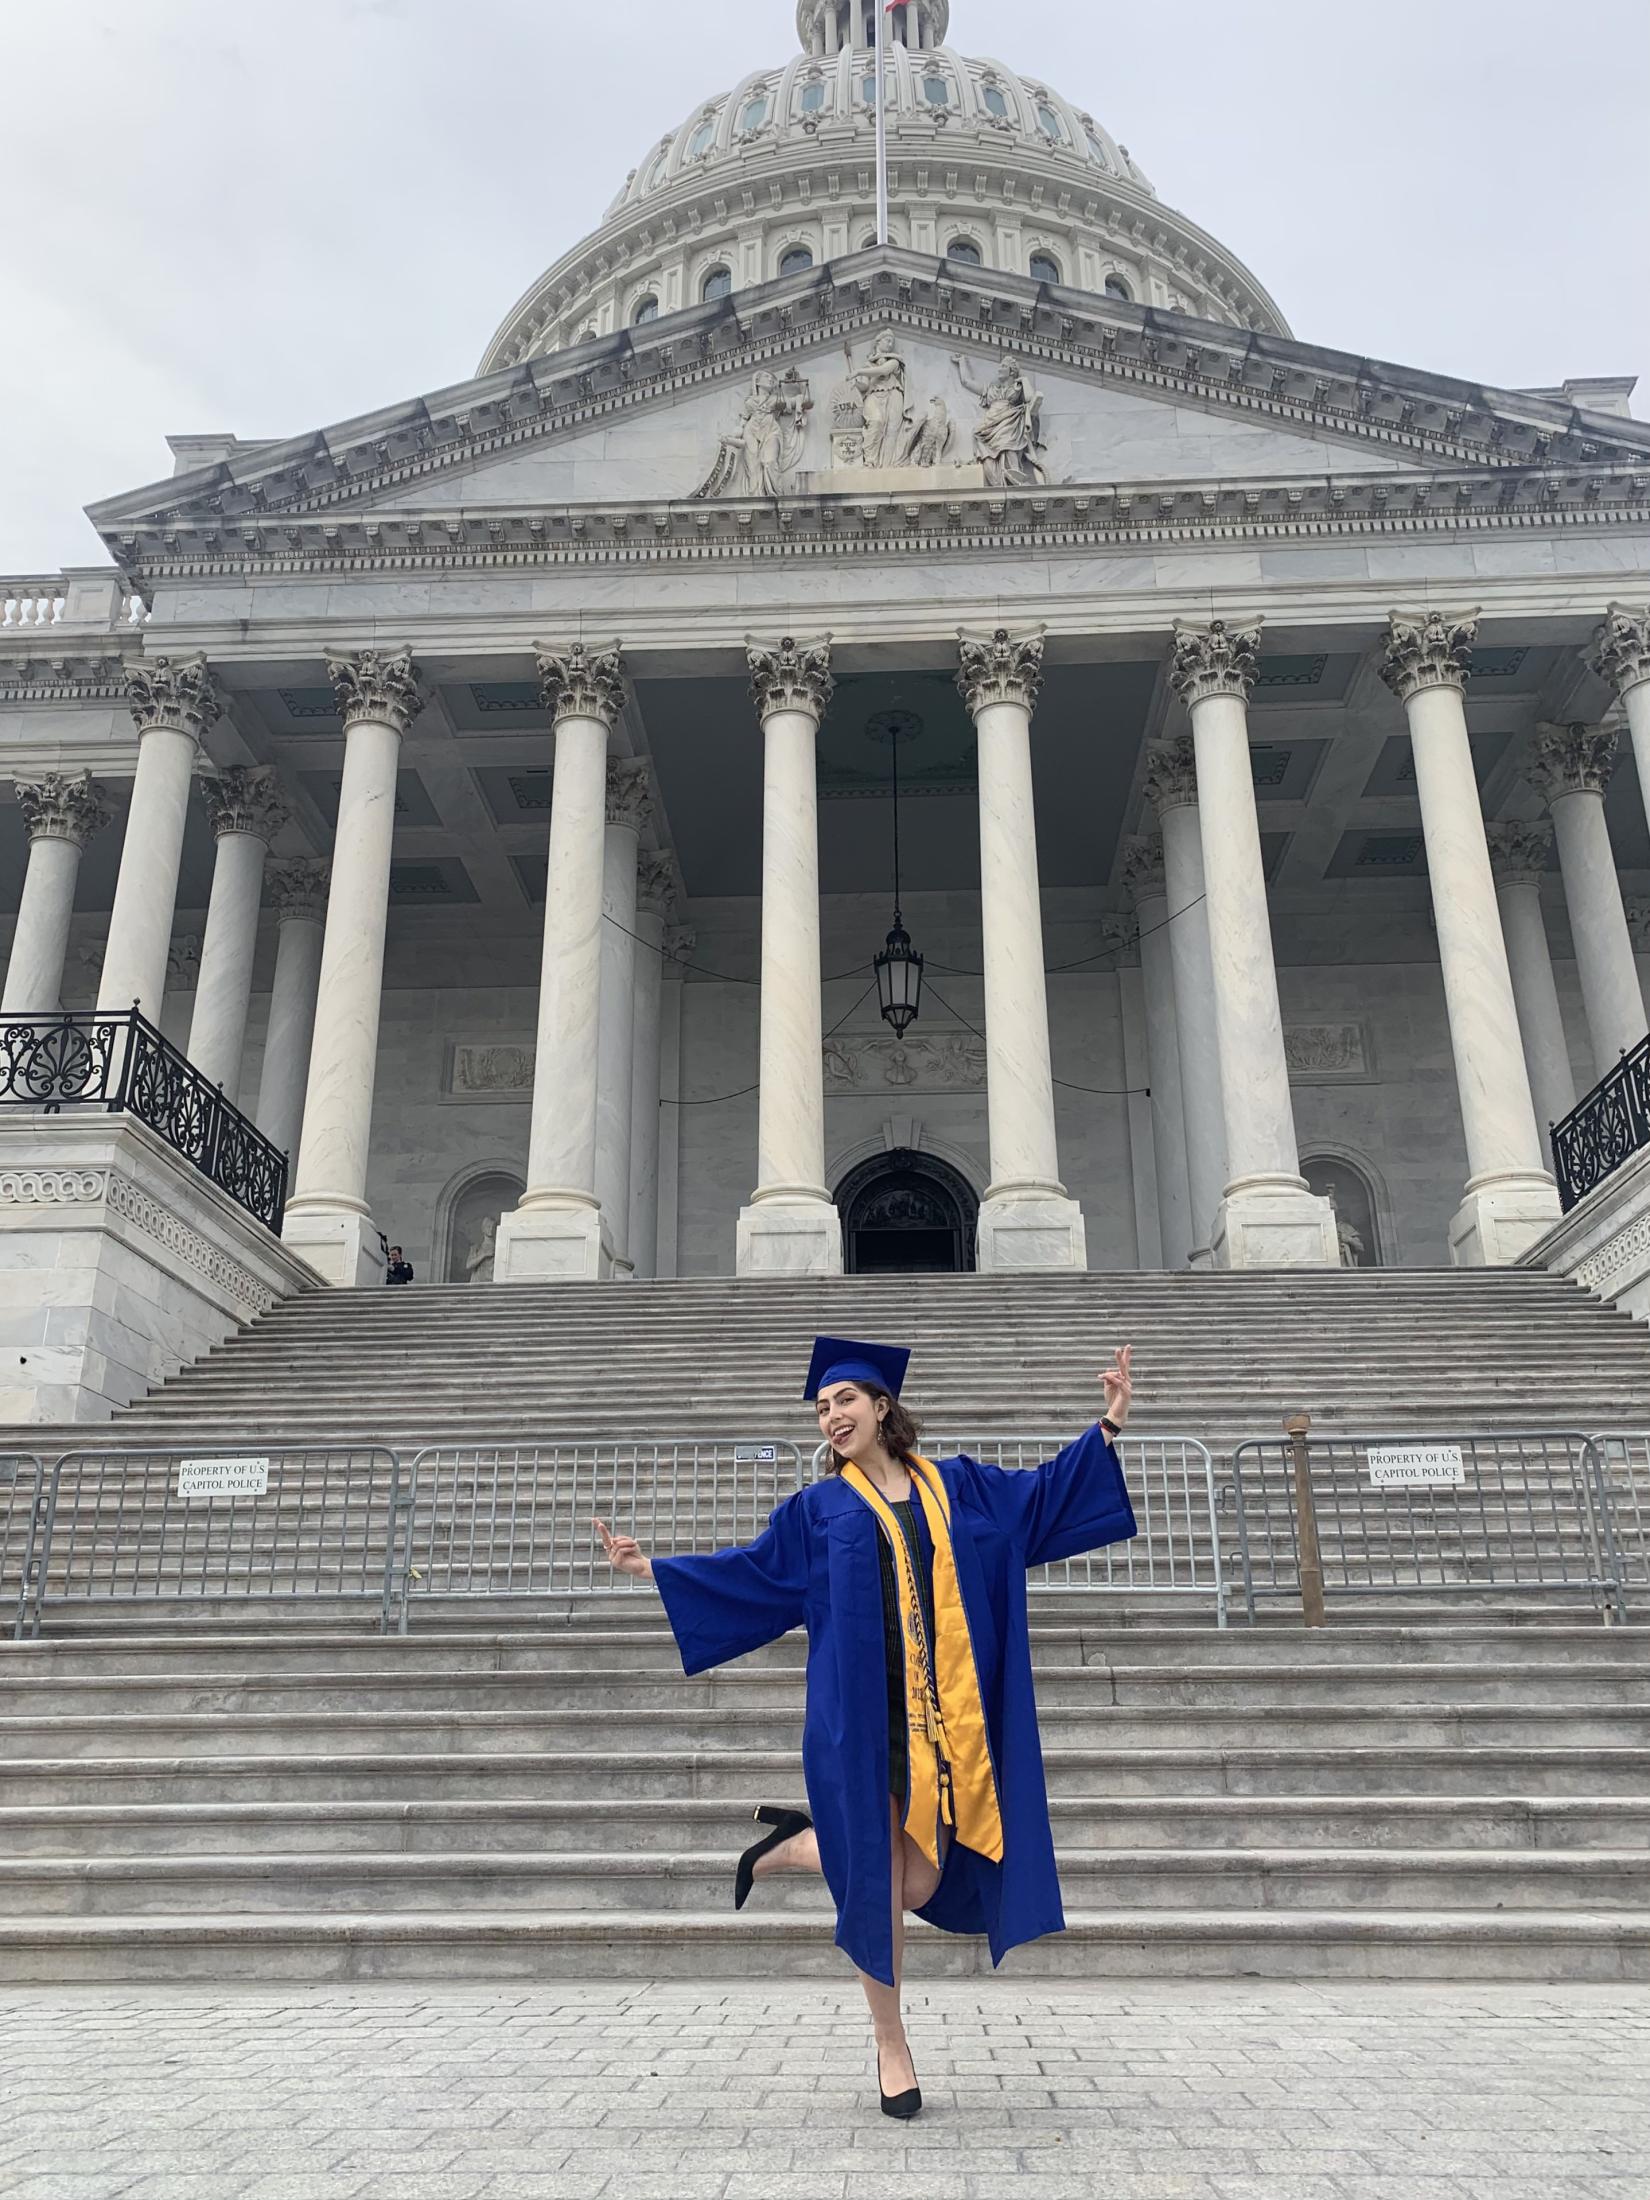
(1416, 1466)
(223, 1478)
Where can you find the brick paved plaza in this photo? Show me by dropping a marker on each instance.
(739, 2092)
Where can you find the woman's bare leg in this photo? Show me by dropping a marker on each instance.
(913, 1882)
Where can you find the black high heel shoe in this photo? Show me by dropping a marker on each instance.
(903, 2105)
(785, 1823)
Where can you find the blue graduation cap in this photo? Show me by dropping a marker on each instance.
(846, 1360)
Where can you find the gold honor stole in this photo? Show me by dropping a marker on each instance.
(951, 1780)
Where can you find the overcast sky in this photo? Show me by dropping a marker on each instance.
(266, 215)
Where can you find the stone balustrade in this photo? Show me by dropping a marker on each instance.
(94, 597)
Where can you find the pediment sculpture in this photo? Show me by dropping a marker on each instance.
(1008, 436)
(764, 448)
(874, 420)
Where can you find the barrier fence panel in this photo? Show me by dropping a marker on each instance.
(1400, 1515)
(1624, 1473)
(22, 1480)
(266, 1523)
(515, 1519)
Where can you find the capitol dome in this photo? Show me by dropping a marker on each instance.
(987, 166)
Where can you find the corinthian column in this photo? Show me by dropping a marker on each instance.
(1570, 768)
(559, 1228)
(327, 1218)
(628, 808)
(61, 815)
(298, 889)
(1026, 1219)
(247, 811)
(655, 898)
(1509, 1200)
(1621, 655)
(1518, 857)
(791, 1226)
(1144, 877)
(1171, 788)
(172, 704)
(1267, 1217)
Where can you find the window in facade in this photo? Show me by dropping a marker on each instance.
(936, 91)
(1098, 150)
(647, 309)
(1049, 123)
(1115, 287)
(700, 140)
(716, 284)
(795, 259)
(995, 103)
(813, 98)
(753, 114)
(965, 250)
(1044, 268)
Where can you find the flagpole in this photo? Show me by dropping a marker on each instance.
(880, 10)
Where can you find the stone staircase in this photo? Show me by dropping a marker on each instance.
(551, 1800)
(1444, 1788)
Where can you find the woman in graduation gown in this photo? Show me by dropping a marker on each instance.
(919, 1744)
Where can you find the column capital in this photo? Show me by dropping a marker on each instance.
(1621, 648)
(1574, 759)
(380, 685)
(1143, 874)
(656, 889)
(172, 694)
(629, 792)
(795, 676)
(62, 806)
(577, 682)
(1428, 649)
(1219, 658)
(1519, 849)
(244, 798)
(999, 668)
(1170, 779)
(298, 888)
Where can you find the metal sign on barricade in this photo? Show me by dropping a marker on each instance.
(22, 1481)
(186, 1523)
(512, 1519)
(1459, 1514)
(1171, 1480)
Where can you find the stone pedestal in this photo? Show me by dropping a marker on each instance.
(119, 1264)
(1603, 1243)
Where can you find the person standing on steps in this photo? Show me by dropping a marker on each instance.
(919, 1743)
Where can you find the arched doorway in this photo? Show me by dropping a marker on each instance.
(906, 1213)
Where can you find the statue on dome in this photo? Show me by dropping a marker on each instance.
(1008, 436)
(765, 445)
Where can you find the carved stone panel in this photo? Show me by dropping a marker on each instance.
(1328, 1054)
(488, 1070)
(929, 1062)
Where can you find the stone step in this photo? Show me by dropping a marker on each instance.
(1111, 1943)
(554, 1687)
(1357, 1768)
(592, 1882)
(734, 1722)
(1522, 1823)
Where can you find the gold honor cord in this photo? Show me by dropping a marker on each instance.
(952, 1781)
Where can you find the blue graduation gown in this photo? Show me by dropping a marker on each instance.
(816, 1566)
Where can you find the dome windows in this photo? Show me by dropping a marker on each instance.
(1045, 268)
(700, 141)
(647, 309)
(1050, 124)
(995, 103)
(1115, 287)
(936, 91)
(753, 114)
(813, 98)
(795, 258)
(717, 282)
(965, 252)
(1096, 150)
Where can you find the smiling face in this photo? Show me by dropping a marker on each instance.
(850, 1419)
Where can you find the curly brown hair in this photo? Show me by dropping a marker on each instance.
(899, 1430)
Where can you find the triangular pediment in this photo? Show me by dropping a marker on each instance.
(764, 397)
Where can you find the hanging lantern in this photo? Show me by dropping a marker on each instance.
(899, 967)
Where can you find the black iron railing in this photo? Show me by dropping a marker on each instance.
(120, 1061)
(1604, 1128)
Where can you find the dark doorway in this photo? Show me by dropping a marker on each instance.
(904, 1213)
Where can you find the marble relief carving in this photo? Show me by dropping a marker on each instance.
(1326, 1051)
(935, 1061)
(489, 1071)
(1008, 436)
(762, 450)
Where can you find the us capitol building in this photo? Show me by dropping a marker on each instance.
(981, 751)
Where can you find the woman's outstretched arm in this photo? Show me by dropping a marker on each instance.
(722, 1603)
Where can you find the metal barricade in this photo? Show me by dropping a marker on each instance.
(514, 1519)
(264, 1523)
(1624, 1475)
(1171, 1481)
(22, 1479)
(1528, 1512)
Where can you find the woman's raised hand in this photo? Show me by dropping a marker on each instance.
(625, 1553)
(1119, 1384)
